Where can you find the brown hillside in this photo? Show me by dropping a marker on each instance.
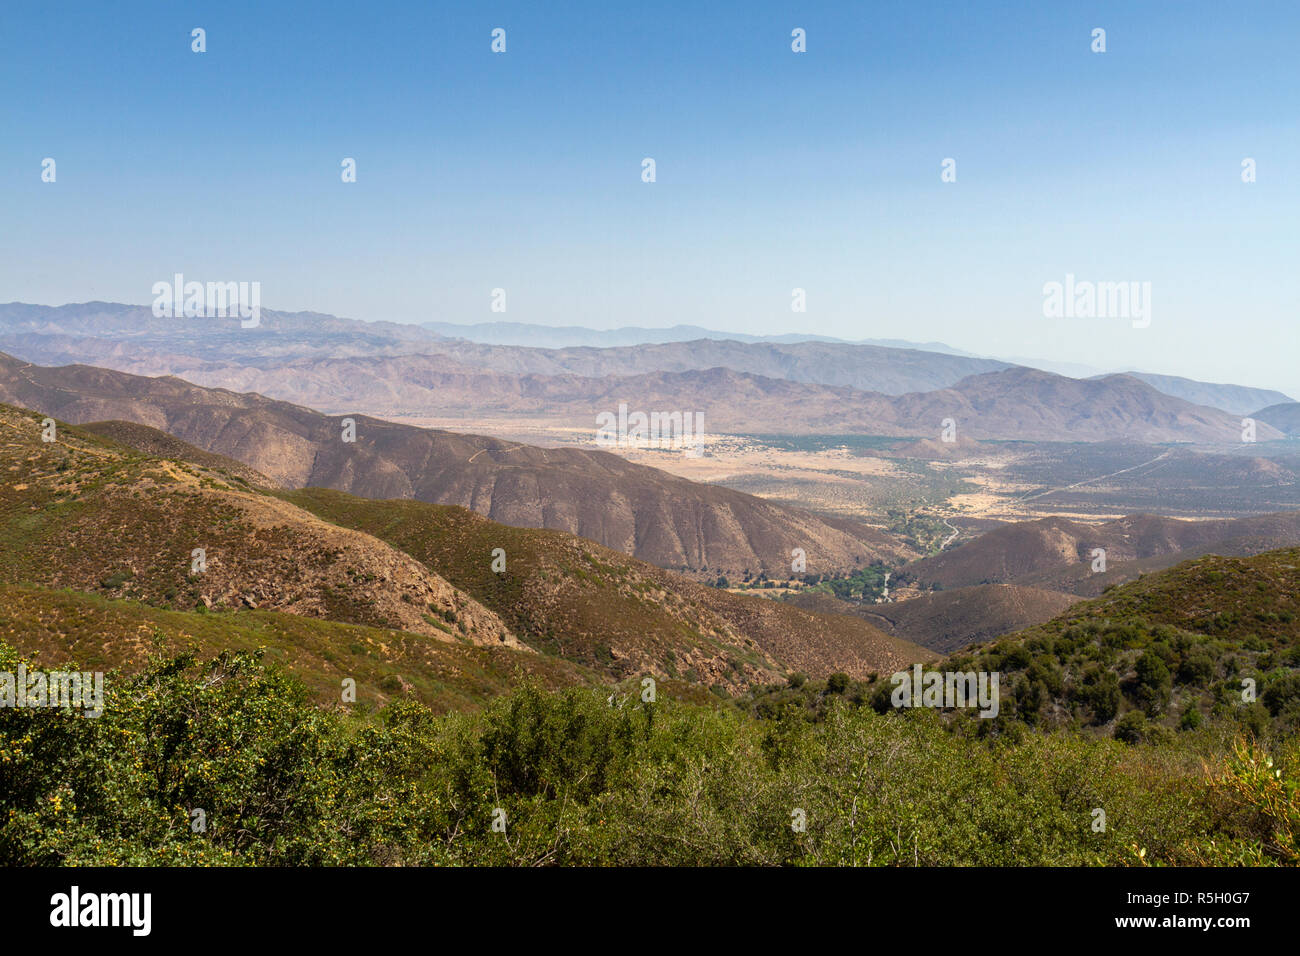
(84, 513)
(569, 596)
(946, 621)
(1057, 553)
(660, 518)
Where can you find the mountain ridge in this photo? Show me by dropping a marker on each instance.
(669, 521)
(131, 339)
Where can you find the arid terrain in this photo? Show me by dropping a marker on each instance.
(811, 462)
(438, 438)
(467, 540)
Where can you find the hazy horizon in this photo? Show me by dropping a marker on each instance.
(1060, 367)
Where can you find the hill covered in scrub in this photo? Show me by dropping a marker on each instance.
(90, 514)
(53, 627)
(564, 594)
(1211, 638)
(85, 513)
(1214, 640)
(159, 444)
(1093, 714)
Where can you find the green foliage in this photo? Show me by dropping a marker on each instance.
(865, 584)
(1282, 697)
(1258, 802)
(1152, 683)
(585, 777)
(1132, 728)
(1086, 671)
(923, 531)
(1191, 718)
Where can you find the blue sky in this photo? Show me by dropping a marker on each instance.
(775, 170)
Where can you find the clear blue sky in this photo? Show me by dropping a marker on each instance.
(775, 170)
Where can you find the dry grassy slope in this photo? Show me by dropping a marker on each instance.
(569, 596)
(97, 633)
(1233, 598)
(818, 643)
(1056, 553)
(158, 444)
(86, 513)
(946, 621)
(655, 516)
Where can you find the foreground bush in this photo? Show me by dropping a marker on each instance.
(569, 778)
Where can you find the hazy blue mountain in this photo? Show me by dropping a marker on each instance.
(130, 338)
(1285, 417)
(1238, 399)
(570, 336)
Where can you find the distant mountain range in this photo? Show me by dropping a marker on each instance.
(1285, 417)
(1012, 403)
(1237, 399)
(641, 511)
(311, 349)
(571, 336)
